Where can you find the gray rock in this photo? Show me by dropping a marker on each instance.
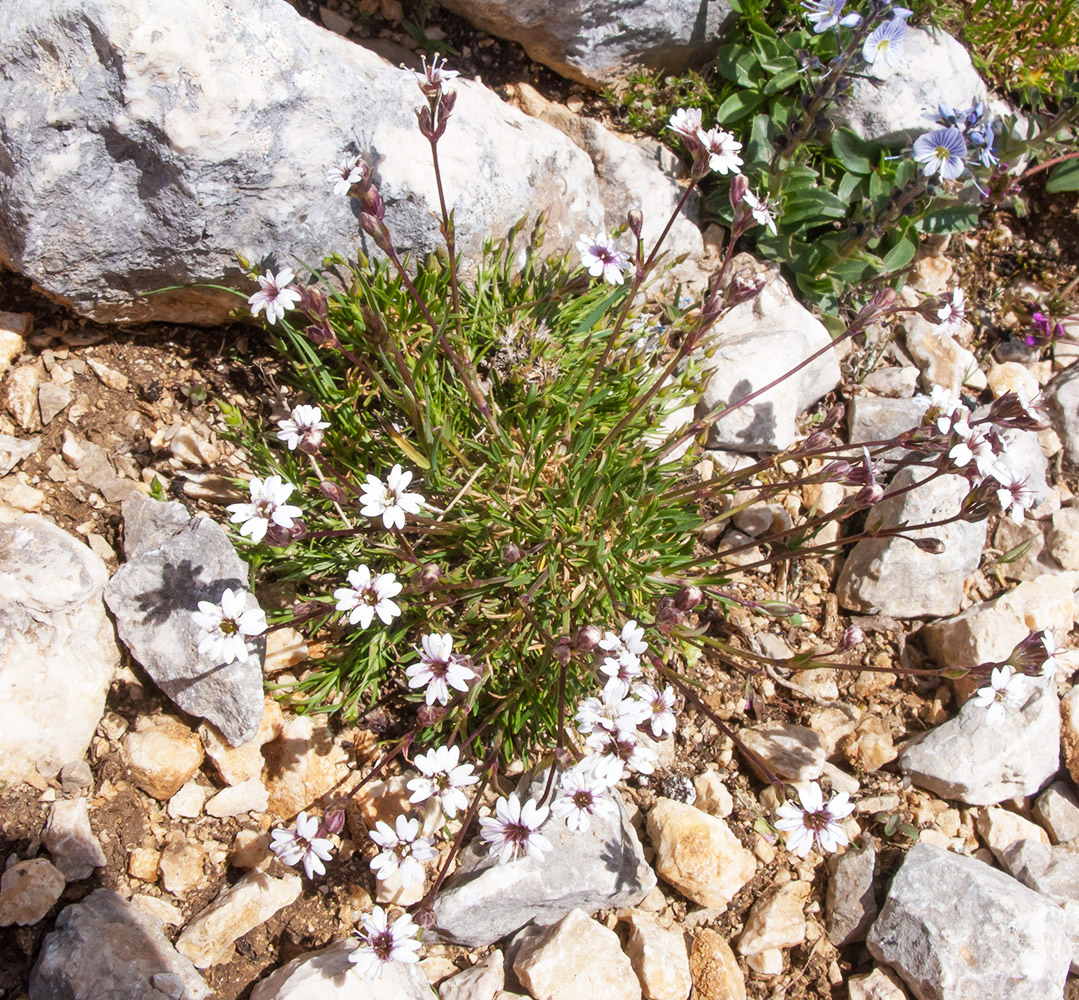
(970, 759)
(1062, 538)
(1062, 400)
(327, 975)
(106, 947)
(1057, 809)
(600, 41)
(895, 383)
(70, 840)
(874, 419)
(889, 575)
(152, 597)
(51, 400)
(956, 929)
(750, 347)
(135, 186)
(888, 105)
(57, 649)
(13, 450)
(792, 752)
(482, 981)
(597, 869)
(1054, 873)
(850, 900)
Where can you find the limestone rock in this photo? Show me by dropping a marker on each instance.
(1057, 809)
(697, 853)
(22, 387)
(162, 754)
(873, 419)
(327, 975)
(850, 901)
(712, 795)
(239, 764)
(57, 651)
(152, 597)
(234, 157)
(870, 746)
(601, 867)
(181, 867)
(187, 803)
(1000, 829)
(600, 43)
(483, 981)
(970, 759)
(71, 841)
(236, 910)
(953, 928)
(28, 890)
(1054, 873)
(13, 450)
(248, 796)
(740, 354)
(880, 984)
(716, 975)
(106, 947)
(658, 956)
(1062, 400)
(304, 763)
(892, 383)
(1062, 538)
(792, 752)
(577, 957)
(776, 919)
(887, 575)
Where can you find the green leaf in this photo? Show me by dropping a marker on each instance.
(854, 153)
(904, 250)
(848, 185)
(738, 105)
(738, 63)
(952, 219)
(1064, 177)
(815, 204)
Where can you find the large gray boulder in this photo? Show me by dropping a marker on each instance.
(1062, 401)
(175, 561)
(57, 648)
(144, 144)
(599, 42)
(956, 929)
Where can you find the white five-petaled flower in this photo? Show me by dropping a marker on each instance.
(348, 172)
(601, 256)
(267, 507)
(946, 406)
(227, 625)
(943, 151)
(276, 295)
(951, 312)
(442, 776)
(814, 821)
(368, 595)
(403, 850)
(885, 42)
(1015, 497)
(630, 640)
(303, 426)
(661, 719)
(974, 445)
(383, 942)
(623, 745)
(722, 149)
(1054, 662)
(687, 122)
(612, 712)
(439, 668)
(514, 829)
(390, 500)
(303, 844)
(585, 791)
(433, 77)
(760, 210)
(1006, 690)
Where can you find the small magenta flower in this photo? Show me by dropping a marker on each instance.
(403, 850)
(442, 776)
(390, 500)
(276, 295)
(942, 151)
(885, 43)
(382, 943)
(813, 821)
(439, 669)
(227, 626)
(514, 829)
(302, 428)
(1006, 690)
(267, 507)
(303, 844)
(1046, 330)
(368, 595)
(601, 256)
(722, 149)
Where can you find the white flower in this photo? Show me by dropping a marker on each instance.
(389, 500)
(625, 747)
(631, 640)
(885, 42)
(383, 943)
(303, 844)
(686, 122)
(1053, 664)
(974, 446)
(825, 14)
(267, 507)
(434, 76)
(514, 829)
(661, 706)
(275, 295)
(403, 850)
(439, 668)
(722, 149)
(227, 626)
(443, 776)
(611, 712)
(601, 256)
(367, 596)
(348, 172)
(303, 426)
(1015, 497)
(760, 210)
(1006, 690)
(952, 312)
(586, 792)
(947, 405)
(814, 821)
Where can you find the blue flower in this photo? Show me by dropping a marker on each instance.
(981, 138)
(825, 14)
(942, 151)
(885, 42)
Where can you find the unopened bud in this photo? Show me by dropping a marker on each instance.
(933, 545)
(511, 553)
(332, 492)
(667, 613)
(425, 918)
(739, 187)
(742, 289)
(852, 637)
(818, 439)
(429, 577)
(333, 821)
(430, 715)
(372, 202)
(835, 471)
(688, 598)
(587, 638)
(562, 651)
(635, 219)
(322, 335)
(868, 495)
(278, 536)
(311, 441)
(834, 415)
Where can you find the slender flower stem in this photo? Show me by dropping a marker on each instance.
(450, 236)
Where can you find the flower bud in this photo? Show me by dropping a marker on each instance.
(311, 442)
(818, 439)
(333, 821)
(835, 471)
(430, 715)
(933, 545)
(635, 219)
(429, 576)
(587, 638)
(511, 553)
(562, 651)
(322, 335)
(868, 495)
(331, 491)
(425, 918)
(688, 598)
(739, 187)
(852, 637)
(667, 613)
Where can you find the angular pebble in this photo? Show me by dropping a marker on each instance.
(483, 981)
(776, 920)
(658, 956)
(850, 901)
(162, 754)
(28, 890)
(70, 840)
(1057, 809)
(792, 752)
(716, 974)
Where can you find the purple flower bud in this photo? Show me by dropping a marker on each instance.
(667, 613)
(333, 821)
(562, 651)
(688, 597)
(511, 553)
(331, 491)
(430, 715)
(852, 637)
(818, 439)
(834, 472)
(429, 577)
(739, 187)
(322, 335)
(834, 415)
(312, 441)
(425, 918)
(868, 495)
(933, 545)
(635, 218)
(587, 638)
